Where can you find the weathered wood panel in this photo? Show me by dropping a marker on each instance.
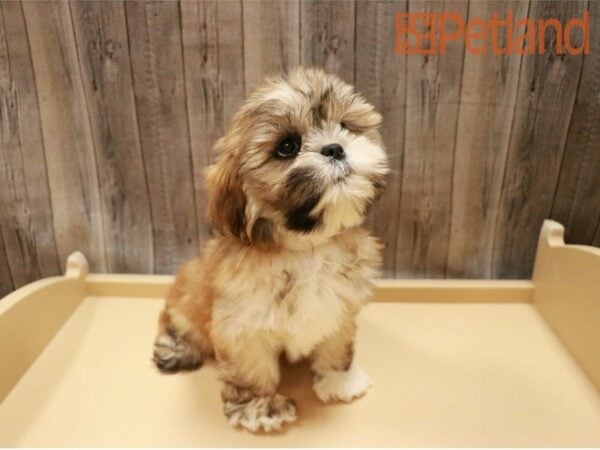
(158, 79)
(69, 148)
(545, 98)
(577, 200)
(109, 112)
(327, 36)
(101, 34)
(489, 87)
(381, 77)
(214, 77)
(433, 85)
(26, 215)
(271, 38)
(6, 282)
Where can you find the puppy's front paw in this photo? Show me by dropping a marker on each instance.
(267, 413)
(340, 385)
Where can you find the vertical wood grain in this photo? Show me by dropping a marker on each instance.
(271, 38)
(381, 78)
(72, 172)
(158, 80)
(545, 99)
(109, 112)
(327, 36)
(577, 200)
(6, 282)
(26, 214)
(101, 34)
(213, 54)
(487, 102)
(432, 99)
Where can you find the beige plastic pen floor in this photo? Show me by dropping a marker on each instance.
(444, 375)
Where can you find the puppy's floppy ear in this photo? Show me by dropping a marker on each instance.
(226, 208)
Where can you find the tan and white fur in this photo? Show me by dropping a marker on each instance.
(290, 267)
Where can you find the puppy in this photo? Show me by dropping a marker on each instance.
(299, 168)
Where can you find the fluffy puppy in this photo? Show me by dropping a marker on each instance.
(290, 267)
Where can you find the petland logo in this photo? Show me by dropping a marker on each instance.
(429, 33)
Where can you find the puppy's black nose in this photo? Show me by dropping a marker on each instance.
(335, 151)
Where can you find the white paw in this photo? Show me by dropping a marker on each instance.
(342, 386)
(268, 413)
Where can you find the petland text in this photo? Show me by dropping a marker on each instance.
(429, 33)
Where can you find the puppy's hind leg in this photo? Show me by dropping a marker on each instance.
(183, 341)
(175, 349)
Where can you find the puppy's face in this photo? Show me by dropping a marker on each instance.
(303, 159)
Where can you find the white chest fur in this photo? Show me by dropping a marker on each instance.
(295, 300)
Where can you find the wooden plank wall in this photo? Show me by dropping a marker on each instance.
(108, 112)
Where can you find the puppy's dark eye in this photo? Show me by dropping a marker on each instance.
(289, 147)
(343, 125)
